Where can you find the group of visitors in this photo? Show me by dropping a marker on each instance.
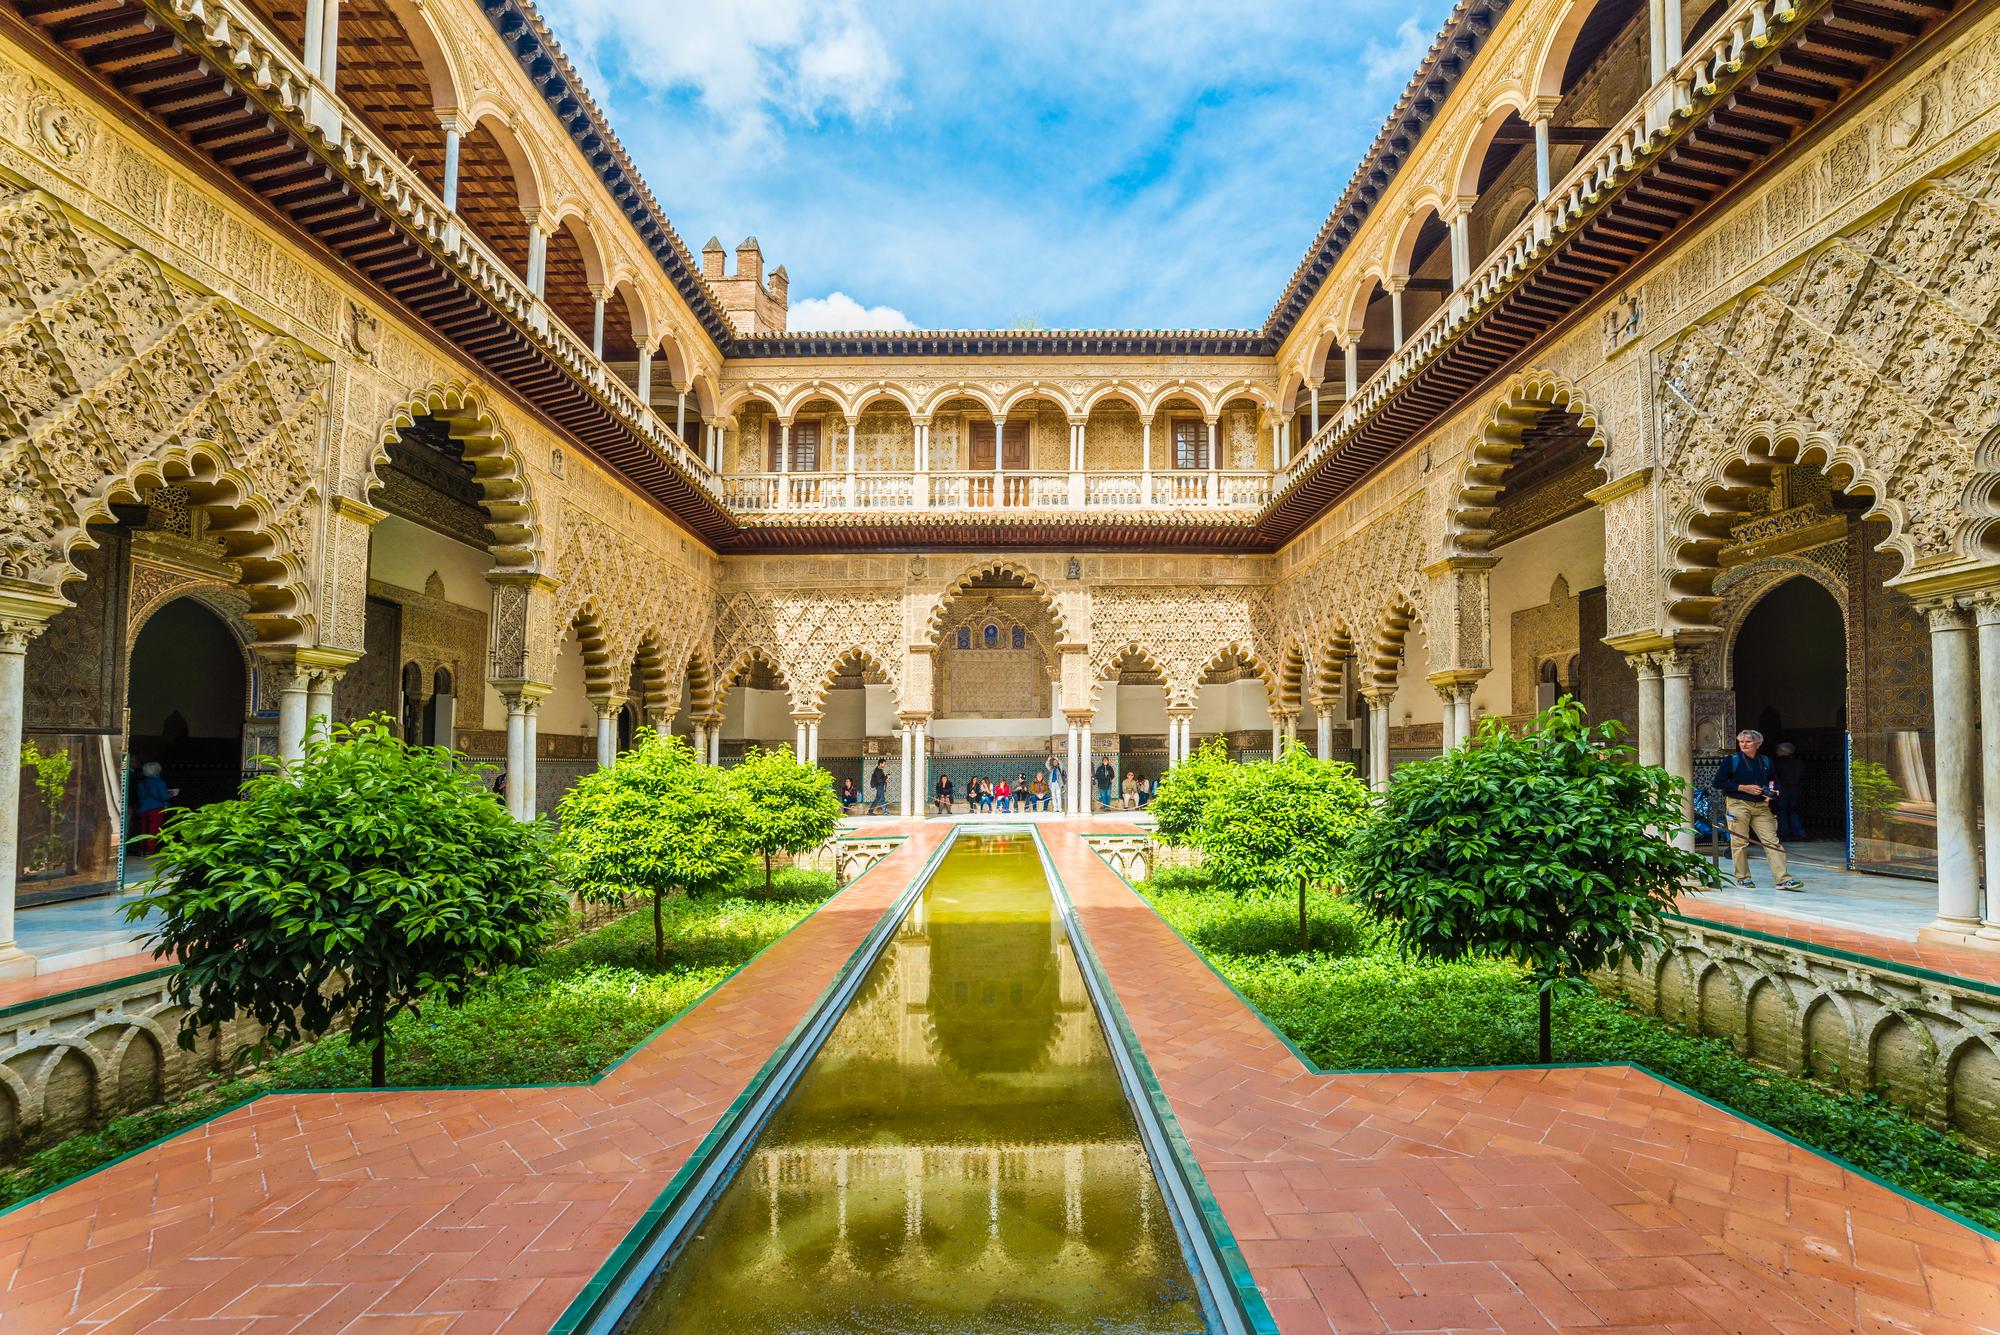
(981, 793)
(984, 794)
(878, 792)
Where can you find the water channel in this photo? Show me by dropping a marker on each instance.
(958, 1157)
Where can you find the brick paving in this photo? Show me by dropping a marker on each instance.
(15, 991)
(419, 1212)
(1496, 1201)
(1516, 1201)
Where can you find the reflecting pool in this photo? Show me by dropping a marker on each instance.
(958, 1157)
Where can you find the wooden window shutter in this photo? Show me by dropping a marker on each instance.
(979, 446)
(1190, 442)
(1015, 446)
(771, 444)
(805, 447)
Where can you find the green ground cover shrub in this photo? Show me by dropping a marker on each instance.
(1354, 1003)
(584, 1005)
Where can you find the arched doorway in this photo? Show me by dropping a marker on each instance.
(186, 696)
(994, 714)
(1788, 662)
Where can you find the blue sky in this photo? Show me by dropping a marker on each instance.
(1160, 164)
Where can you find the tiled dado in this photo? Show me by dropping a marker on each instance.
(1513, 1200)
(419, 1211)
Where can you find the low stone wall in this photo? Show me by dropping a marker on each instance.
(73, 1062)
(1931, 1045)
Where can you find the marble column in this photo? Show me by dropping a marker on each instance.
(1083, 773)
(903, 787)
(294, 707)
(1448, 696)
(701, 744)
(1386, 701)
(14, 637)
(1953, 726)
(920, 782)
(607, 731)
(1986, 611)
(319, 701)
(1648, 738)
(800, 751)
(1323, 726)
(1677, 732)
(517, 742)
(531, 708)
(715, 741)
(1461, 708)
(1073, 772)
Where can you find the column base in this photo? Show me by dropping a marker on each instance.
(1960, 934)
(18, 963)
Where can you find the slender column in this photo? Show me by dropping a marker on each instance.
(645, 386)
(920, 759)
(853, 494)
(1145, 461)
(597, 322)
(1461, 251)
(530, 759)
(1323, 728)
(1952, 724)
(680, 413)
(812, 742)
(1214, 447)
(784, 446)
(1461, 708)
(715, 741)
(1657, 13)
(607, 731)
(1448, 695)
(999, 460)
(1648, 740)
(538, 256)
(701, 743)
(1677, 732)
(1315, 410)
(319, 701)
(1987, 613)
(1083, 772)
(1673, 25)
(903, 806)
(14, 637)
(1396, 312)
(1076, 484)
(1379, 702)
(517, 741)
(1277, 739)
(1352, 353)
(799, 748)
(1073, 778)
(920, 477)
(451, 145)
(1542, 176)
(294, 706)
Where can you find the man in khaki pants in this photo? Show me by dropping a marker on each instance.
(1747, 785)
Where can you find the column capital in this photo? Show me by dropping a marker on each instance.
(806, 716)
(911, 720)
(519, 691)
(1378, 696)
(1646, 664)
(25, 609)
(1180, 711)
(1948, 613)
(607, 705)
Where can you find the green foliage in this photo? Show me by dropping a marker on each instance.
(1180, 807)
(788, 806)
(1259, 921)
(1872, 787)
(52, 770)
(655, 822)
(1538, 847)
(371, 878)
(581, 1008)
(1281, 823)
(1359, 1003)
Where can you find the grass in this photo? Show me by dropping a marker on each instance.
(1351, 1002)
(570, 1017)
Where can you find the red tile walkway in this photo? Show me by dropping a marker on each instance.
(1516, 1201)
(473, 1211)
(18, 990)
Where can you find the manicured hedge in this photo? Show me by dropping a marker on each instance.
(568, 1018)
(1351, 1003)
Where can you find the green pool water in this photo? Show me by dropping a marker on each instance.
(958, 1157)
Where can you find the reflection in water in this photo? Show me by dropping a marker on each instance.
(959, 1157)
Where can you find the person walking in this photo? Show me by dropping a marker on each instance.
(1789, 768)
(878, 790)
(1105, 776)
(1748, 782)
(149, 804)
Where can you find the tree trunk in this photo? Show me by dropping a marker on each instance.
(659, 935)
(767, 875)
(1304, 941)
(378, 1060)
(1545, 1045)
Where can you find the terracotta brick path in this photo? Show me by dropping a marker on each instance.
(1517, 1201)
(465, 1212)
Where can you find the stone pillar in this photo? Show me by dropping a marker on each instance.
(700, 743)
(606, 707)
(452, 134)
(921, 761)
(1952, 725)
(1073, 767)
(680, 413)
(517, 751)
(1351, 353)
(1987, 611)
(1448, 695)
(294, 706)
(319, 701)
(909, 761)
(1323, 726)
(1395, 286)
(1648, 738)
(1539, 118)
(15, 632)
(1461, 709)
(812, 741)
(538, 256)
(1083, 772)
(715, 741)
(1145, 460)
(1379, 699)
(799, 745)
(1677, 732)
(531, 752)
(597, 323)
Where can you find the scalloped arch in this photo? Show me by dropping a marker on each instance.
(934, 623)
(496, 465)
(1519, 406)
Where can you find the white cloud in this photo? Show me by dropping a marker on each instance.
(745, 62)
(837, 310)
(1391, 64)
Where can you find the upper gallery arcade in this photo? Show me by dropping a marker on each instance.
(344, 350)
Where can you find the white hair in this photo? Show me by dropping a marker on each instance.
(1752, 734)
(150, 769)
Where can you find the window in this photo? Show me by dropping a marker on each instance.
(805, 446)
(1190, 442)
(965, 637)
(992, 636)
(1020, 640)
(979, 453)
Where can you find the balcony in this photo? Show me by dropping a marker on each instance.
(987, 493)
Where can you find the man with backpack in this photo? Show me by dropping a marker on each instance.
(1747, 783)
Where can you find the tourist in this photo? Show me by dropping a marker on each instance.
(850, 795)
(878, 790)
(944, 795)
(149, 802)
(1038, 792)
(1789, 769)
(1129, 791)
(1003, 793)
(1105, 776)
(1145, 792)
(1056, 780)
(1747, 783)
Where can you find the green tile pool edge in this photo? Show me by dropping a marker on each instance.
(1314, 1068)
(1249, 1299)
(219, 1113)
(584, 1308)
(87, 990)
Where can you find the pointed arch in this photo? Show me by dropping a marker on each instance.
(497, 466)
(1523, 405)
(1027, 578)
(751, 657)
(854, 657)
(698, 684)
(594, 641)
(1383, 661)
(1230, 656)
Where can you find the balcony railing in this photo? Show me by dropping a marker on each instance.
(1747, 26)
(986, 491)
